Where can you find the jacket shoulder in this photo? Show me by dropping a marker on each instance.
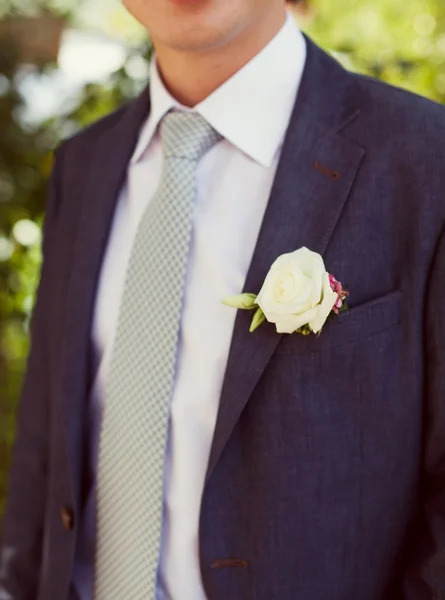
(403, 135)
(85, 138)
(393, 111)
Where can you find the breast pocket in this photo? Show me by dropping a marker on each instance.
(357, 323)
(342, 415)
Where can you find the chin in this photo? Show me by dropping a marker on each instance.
(197, 43)
(190, 39)
(188, 25)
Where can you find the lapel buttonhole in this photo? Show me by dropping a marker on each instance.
(334, 175)
(229, 562)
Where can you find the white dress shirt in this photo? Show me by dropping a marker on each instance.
(252, 112)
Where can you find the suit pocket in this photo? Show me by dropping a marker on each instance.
(359, 322)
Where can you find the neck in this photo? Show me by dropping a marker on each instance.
(191, 77)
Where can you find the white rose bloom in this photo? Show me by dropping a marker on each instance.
(297, 292)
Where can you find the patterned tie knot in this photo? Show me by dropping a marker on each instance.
(187, 135)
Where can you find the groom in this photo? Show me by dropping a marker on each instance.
(165, 452)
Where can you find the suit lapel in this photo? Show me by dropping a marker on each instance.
(107, 172)
(314, 177)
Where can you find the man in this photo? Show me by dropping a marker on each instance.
(236, 465)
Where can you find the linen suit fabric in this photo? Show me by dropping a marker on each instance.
(326, 475)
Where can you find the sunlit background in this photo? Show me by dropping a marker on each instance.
(64, 63)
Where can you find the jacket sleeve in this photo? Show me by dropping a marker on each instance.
(22, 536)
(425, 579)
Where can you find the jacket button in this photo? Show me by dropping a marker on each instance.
(67, 517)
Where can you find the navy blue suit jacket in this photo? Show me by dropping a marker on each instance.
(326, 479)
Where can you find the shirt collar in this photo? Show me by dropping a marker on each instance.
(253, 108)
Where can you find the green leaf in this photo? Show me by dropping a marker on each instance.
(258, 318)
(305, 330)
(344, 307)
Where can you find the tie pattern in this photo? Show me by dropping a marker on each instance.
(140, 382)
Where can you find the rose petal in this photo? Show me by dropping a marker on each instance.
(329, 300)
(284, 260)
(293, 286)
(266, 299)
(312, 265)
(290, 323)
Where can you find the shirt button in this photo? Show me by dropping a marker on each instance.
(67, 517)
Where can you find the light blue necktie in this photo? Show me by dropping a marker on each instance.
(140, 382)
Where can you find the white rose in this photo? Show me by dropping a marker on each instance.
(297, 292)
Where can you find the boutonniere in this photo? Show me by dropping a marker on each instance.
(298, 295)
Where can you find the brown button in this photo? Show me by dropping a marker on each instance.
(67, 517)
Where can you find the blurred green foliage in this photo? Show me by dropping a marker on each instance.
(25, 165)
(400, 42)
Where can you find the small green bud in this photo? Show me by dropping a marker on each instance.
(242, 301)
(258, 319)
